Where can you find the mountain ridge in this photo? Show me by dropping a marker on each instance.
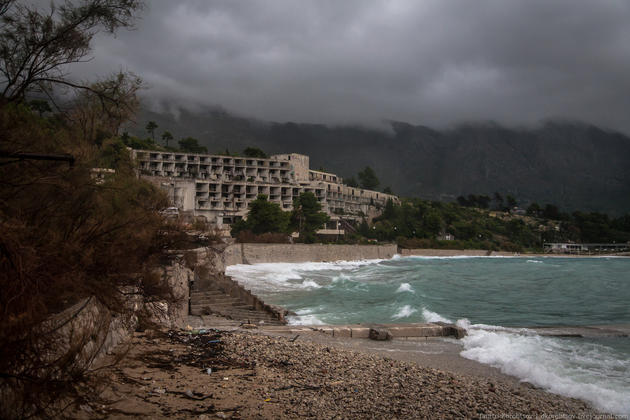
(574, 165)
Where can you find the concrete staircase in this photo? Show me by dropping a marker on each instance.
(216, 302)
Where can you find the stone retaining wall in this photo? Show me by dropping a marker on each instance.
(292, 253)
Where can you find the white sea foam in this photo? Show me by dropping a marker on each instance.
(310, 284)
(341, 278)
(305, 311)
(534, 261)
(307, 319)
(578, 369)
(405, 287)
(431, 316)
(404, 312)
(275, 277)
(459, 257)
(592, 372)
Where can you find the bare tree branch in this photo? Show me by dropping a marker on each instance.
(35, 46)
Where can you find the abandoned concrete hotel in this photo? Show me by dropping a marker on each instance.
(221, 187)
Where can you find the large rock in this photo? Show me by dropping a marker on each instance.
(380, 334)
(452, 330)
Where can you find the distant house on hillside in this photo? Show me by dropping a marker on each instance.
(446, 237)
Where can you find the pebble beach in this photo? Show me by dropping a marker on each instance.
(249, 375)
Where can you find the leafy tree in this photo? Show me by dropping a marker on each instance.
(254, 152)
(534, 209)
(368, 179)
(390, 211)
(364, 228)
(388, 190)
(151, 126)
(551, 212)
(36, 45)
(263, 217)
(166, 137)
(432, 222)
(190, 144)
(138, 143)
(351, 182)
(307, 216)
(498, 199)
(483, 201)
(511, 201)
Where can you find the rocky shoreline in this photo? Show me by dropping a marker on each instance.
(243, 374)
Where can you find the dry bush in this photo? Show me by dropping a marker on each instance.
(64, 238)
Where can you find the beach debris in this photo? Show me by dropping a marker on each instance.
(192, 395)
(249, 326)
(380, 334)
(292, 340)
(159, 391)
(209, 371)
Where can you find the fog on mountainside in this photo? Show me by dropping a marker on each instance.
(573, 165)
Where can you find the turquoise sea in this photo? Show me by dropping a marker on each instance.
(498, 300)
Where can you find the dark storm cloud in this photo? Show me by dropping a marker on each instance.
(433, 62)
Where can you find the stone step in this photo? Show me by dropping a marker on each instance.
(208, 294)
(253, 317)
(218, 303)
(245, 312)
(222, 309)
(210, 301)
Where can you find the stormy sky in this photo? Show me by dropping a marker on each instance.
(431, 62)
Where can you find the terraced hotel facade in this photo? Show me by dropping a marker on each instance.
(220, 188)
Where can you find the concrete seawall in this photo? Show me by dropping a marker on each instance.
(291, 253)
(454, 252)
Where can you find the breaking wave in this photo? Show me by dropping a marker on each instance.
(578, 369)
(405, 287)
(275, 277)
(404, 312)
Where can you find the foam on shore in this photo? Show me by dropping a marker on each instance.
(573, 368)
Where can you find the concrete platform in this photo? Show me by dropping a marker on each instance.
(397, 331)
